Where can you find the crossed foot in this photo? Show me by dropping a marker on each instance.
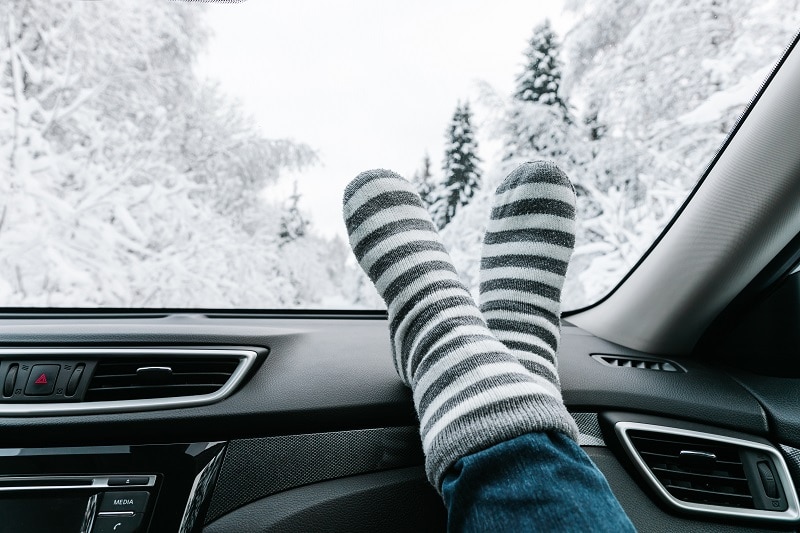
(479, 376)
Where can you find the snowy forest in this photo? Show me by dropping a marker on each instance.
(128, 181)
(632, 103)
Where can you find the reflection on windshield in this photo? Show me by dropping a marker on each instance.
(149, 160)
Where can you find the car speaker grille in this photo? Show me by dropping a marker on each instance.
(695, 470)
(127, 379)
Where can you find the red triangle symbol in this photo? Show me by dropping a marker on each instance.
(41, 380)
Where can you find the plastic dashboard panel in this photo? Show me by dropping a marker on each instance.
(337, 374)
(334, 375)
(781, 397)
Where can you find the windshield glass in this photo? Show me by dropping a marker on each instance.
(160, 154)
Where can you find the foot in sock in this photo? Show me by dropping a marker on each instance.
(470, 392)
(526, 249)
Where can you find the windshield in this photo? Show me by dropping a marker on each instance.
(158, 154)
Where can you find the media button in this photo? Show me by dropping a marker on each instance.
(115, 502)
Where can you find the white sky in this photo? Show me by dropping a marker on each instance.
(365, 83)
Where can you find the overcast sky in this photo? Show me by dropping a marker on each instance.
(365, 83)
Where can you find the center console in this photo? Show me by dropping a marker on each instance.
(116, 489)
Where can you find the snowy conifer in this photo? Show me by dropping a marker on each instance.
(540, 81)
(537, 118)
(293, 224)
(423, 181)
(462, 177)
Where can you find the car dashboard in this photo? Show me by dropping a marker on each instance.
(216, 423)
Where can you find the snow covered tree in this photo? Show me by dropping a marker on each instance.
(423, 181)
(595, 130)
(461, 175)
(126, 179)
(540, 80)
(654, 85)
(537, 117)
(293, 224)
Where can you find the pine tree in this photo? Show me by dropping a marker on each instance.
(595, 129)
(423, 181)
(293, 225)
(540, 81)
(538, 116)
(462, 177)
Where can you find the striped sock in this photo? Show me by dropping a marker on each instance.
(469, 391)
(526, 249)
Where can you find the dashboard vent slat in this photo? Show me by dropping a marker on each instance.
(711, 497)
(136, 379)
(719, 480)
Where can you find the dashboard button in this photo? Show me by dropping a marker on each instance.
(11, 378)
(115, 502)
(117, 524)
(75, 379)
(127, 481)
(42, 380)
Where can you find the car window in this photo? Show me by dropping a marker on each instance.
(161, 154)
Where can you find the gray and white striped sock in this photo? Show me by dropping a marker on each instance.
(469, 390)
(526, 250)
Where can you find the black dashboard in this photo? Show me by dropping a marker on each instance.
(318, 433)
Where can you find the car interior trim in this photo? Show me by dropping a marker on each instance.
(792, 456)
(202, 487)
(272, 465)
(260, 467)
(589, 433)
(17, 483)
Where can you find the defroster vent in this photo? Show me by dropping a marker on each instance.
(645, 363)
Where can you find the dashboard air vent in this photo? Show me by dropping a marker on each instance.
(81, 380)
(695, 470)
(135, 379)
(712, 474)
(646, 363)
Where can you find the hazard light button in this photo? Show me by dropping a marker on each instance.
(42, 380)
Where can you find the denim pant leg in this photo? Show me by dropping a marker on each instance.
(535, 482)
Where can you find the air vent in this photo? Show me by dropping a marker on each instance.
(712, 474)
(695, 470)
(129, 379)
(136, 379)
(645, 363)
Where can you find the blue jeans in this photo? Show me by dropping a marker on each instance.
(535, 482)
